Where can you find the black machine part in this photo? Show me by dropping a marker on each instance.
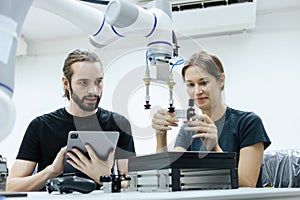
(3, 173)
(191, 110)
(115, 180)
(69, 184)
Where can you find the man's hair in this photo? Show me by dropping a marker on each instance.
(206, 61)
(78, 55)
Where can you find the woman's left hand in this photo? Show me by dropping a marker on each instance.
(207, 131)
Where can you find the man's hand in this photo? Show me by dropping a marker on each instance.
(57, 167)
(94, 167)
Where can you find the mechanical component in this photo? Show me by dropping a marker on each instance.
(69, 184)
(191, 110)
(171, 84)
(112, 183)
(3, 173)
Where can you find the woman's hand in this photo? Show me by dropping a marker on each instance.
(207, 131)
(162, 120)
(93, 167)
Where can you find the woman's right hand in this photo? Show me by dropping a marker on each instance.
(163, 120)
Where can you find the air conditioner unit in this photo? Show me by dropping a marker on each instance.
(211, 17)
(222, 19)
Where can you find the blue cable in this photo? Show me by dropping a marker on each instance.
(179, 62)
(152, 53)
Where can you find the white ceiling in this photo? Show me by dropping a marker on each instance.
(42, 25)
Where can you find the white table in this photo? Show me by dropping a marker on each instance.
(233, 194)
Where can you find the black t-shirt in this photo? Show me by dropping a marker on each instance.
(236, 130)
(47, 134)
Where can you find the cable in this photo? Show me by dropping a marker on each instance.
(153, 55)
(179, 62)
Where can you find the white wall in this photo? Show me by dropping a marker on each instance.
(262, 70)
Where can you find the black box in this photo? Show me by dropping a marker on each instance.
(176, 171)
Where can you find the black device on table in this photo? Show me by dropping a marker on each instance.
(69, 184)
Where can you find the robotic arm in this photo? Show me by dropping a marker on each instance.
(121, 19)
(155, 23)
(12, 15)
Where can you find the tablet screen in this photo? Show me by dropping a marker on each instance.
(102, 142)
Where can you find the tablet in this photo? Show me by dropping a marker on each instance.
(102, 142)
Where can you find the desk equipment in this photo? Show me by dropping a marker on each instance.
(112, 183)
(69, 184)
(177, 171)
(3, 173)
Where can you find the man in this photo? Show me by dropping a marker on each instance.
(45, 139)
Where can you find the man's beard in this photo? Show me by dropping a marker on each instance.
(86, 107)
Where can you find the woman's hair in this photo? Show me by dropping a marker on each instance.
(78, 55)
(207, 61)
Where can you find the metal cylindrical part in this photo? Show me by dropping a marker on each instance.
(121, 14)
(171, 101)
(162, 5)
(129, 19)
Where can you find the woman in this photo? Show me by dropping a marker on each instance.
(219, 128)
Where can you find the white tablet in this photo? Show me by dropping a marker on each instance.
(102, 142)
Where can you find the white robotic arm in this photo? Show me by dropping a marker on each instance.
(155, 23)
(12, 15)
(122, 19)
